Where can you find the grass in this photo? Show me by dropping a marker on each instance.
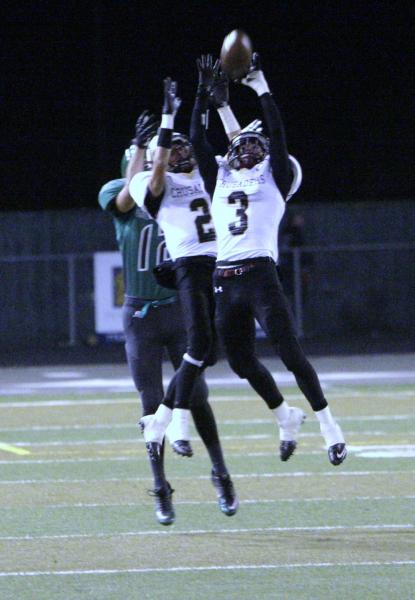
(77, 522)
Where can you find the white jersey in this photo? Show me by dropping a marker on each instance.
(184, 213)
(247, 209)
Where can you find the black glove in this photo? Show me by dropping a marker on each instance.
(171, 100)
(145, 129)
(219, 95)
(208, 71)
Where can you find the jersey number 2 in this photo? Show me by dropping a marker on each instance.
(240, 226)
(204, 234)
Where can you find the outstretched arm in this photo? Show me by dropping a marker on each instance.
(219, 97)
(162, 154)
(204, 152)
(145, 129)
(278, 145)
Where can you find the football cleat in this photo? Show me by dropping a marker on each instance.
(288, 432)
(335, 444)
(182, 447)
(164, 506)
(337, 454)
(227, 498)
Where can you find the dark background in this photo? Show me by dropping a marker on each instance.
(77, 74)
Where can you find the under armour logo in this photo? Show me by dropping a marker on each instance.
(218, 289)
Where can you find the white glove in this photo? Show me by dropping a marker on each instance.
(253, 126)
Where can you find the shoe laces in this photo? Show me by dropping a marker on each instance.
(163, 496)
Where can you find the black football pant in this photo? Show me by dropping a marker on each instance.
(194, 283)
(146, 340)
(258, 294)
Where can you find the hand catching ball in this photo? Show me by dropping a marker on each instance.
(236, 54)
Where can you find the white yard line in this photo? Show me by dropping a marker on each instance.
(403, 448)
(288, 566)
(254, 501)
(174, 532)
(125, 383)
(140, 441)
(383, 472)
(241, 422)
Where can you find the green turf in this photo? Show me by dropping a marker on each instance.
(77, 522)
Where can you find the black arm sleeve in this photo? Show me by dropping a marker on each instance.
(280, 161)
(152, 203)
(205, 155)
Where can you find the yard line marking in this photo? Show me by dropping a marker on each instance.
(174, 532)
(118, 505)
(137, 440)
(316, 565)
(13, 449)
(256, 436)
(388, 450)
(280, 376)
(130, 425)
(207, 477)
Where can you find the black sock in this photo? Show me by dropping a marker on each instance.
(185, 379)
(205, 424)
(157, 467)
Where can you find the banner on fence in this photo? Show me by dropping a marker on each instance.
(108, 294)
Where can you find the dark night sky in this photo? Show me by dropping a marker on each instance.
(77, 74)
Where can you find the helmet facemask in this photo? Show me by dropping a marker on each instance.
(182, 158)
(247, 149)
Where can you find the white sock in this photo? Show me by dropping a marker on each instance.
(179, 426)
(329, 428)
(155, 428)
(325, 417)
(163, 415)
(282, 412)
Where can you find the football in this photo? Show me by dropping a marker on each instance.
(236, 54)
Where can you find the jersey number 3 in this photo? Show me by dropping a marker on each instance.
(205, 234)
(239, 227)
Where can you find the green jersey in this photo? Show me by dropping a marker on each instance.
(141, 243)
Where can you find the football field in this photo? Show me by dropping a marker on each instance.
(77, 521)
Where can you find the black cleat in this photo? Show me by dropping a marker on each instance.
(337, 454)
(153, 450)
(164, 506)
(227, 498)
(182, 447)
(287, 449)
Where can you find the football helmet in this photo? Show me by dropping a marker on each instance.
(182, 159)
(247, 149)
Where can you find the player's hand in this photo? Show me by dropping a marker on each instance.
(255, 125)
(255, 77)
(145, 129)
(219, 95)
(207, 70)
(171, 102)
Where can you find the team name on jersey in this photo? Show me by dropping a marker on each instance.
(188, 190)
(248, 182)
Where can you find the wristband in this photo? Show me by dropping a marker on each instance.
(228, 119)
(167, 121)
(164, 138)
